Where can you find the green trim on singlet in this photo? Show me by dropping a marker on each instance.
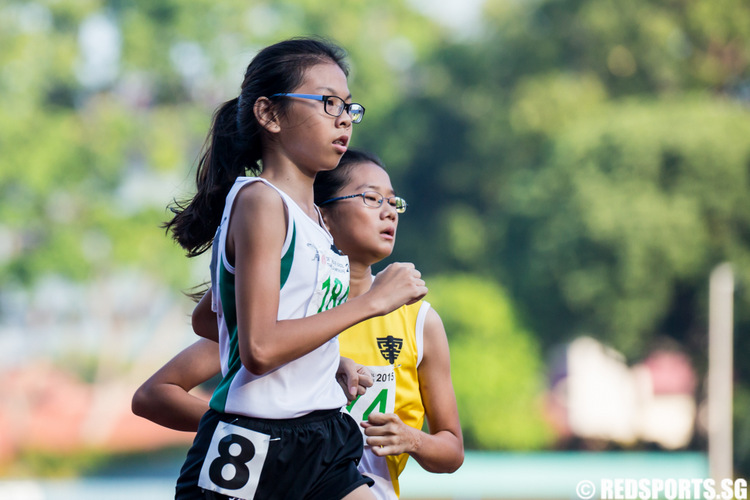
(228, 304)
(226, 291)
(288, 258)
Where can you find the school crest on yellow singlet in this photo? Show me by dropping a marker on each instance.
(390, 347)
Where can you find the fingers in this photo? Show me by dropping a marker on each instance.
(376, 421)
(353, 378)
(376, 418)
(382, 444)
(395, 267)
(365, 377)
(405, 265)
(421, 295)
(381, 424)
(364, 380)
(398, 284)
(404, 272)
(350, 392)
(388, 444)
(420, 290)
(386, 434)
(385, 450)
(347, 376)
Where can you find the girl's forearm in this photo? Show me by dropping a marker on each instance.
(171, 406)
(439, 452)
(287, 340)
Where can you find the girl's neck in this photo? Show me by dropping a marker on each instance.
(360, 278)
(294, 182)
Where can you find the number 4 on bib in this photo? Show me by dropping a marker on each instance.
(381, 397)
(379, 404)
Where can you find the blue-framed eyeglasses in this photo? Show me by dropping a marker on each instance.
(373, 199)
(333, 105)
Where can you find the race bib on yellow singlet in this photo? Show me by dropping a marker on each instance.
(380, 398)
(234, 461)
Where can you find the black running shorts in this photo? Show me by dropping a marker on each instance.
(313, 457)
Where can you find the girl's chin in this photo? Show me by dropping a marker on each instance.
(371, 258)
(384, 253)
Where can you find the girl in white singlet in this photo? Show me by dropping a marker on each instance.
(279, 286)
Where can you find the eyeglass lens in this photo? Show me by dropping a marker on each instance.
(335, 106)
(375, 200)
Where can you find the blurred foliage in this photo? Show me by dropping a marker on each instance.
(592, 157)
(104, 106)
(496, 364)
(93, 463)
(604, 172)
(633, 203)
(32, 463)
(589, 155)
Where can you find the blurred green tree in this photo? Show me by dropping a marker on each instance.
(104, 106)
(591, 156)
(496, 364)
(580, 152)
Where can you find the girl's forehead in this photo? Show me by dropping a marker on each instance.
(369, 176)
(326, 78)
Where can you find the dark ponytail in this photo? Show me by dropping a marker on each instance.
(234, 143)
(194, 224)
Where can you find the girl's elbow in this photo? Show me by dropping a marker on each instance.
(459, 451)
(196, 324)
(139, 404)
(256, 361)
(205, 327)
(457, 462)
(256, 368)
(448, 466)
(452, 461)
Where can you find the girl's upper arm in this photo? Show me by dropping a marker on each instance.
(435, 382)
(204, 319)
(255, 239)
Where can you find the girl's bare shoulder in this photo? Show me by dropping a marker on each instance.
(258, 196)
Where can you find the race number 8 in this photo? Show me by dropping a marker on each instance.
(234, 460)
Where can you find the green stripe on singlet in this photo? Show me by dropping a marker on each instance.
(226, 291)
(288, 258)
(228, 304)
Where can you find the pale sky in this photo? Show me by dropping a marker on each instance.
(459, 15)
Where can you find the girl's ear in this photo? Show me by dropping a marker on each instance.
(265, 114)
(324, 214)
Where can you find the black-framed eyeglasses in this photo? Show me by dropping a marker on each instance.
(373, 199)
(333, 105)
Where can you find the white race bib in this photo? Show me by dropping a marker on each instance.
(234, 461)
(332, 284)
(380, 398)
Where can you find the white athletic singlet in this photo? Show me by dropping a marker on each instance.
(314, 278)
